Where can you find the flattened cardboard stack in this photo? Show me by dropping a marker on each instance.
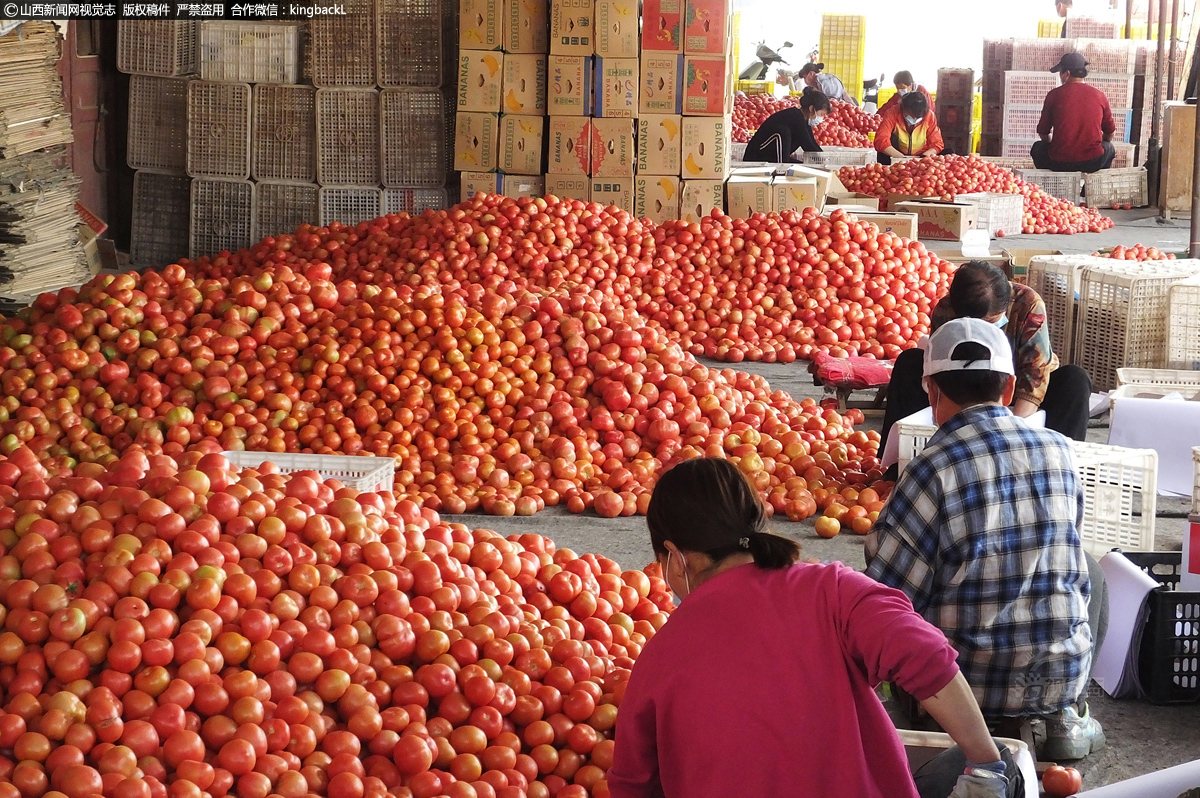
(39, 238)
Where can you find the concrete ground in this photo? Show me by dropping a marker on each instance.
(1142, 738)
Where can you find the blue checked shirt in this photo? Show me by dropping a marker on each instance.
(981, 533)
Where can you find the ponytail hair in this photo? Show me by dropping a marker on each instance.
(815, 99)
(810, 67)
(707, 506)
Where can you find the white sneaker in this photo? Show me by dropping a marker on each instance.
(1070, 735)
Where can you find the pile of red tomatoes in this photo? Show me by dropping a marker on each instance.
(1137, 252)
(187, 629)
(846, 126)
(946, 176)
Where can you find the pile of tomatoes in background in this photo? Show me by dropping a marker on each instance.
(1137, 252)
(946, 176)
(846, 126)
(510, 355)
(191, 629)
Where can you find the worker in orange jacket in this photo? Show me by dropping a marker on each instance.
(909, 129)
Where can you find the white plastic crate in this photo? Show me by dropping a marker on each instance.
(218, 143)
(250, 52)
(1120, 497)
(1028, 88)
(997, 212)
(913, 438)
(283, 140)
(160, 203)
(164, 48)
(222, 216)
(1108, 55)
(1110, 187)
(1122, 318)
(279, 208)
(350, 204)
(1011, 164)
(342, 48)
(1038, 55)
(1056, 279)
(1170, 378)
(410, 49)
(347, 137)
(367, 474)
(412, 131)
(1183, 325)
(1093, 27)
(1117, 88)
(1126, 155)
(836, 157)
(1064, 185)
(158, 124)
(1021, 121)
(1123, 120)
(414, 201)
(1016, 148)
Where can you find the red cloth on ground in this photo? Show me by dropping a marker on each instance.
(1080, 117)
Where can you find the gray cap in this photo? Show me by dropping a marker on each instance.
(1071, 62)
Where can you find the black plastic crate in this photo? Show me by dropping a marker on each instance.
(1169, 658)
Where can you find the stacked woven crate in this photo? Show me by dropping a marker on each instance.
(843, 46)
(39, 243)
(955, 107)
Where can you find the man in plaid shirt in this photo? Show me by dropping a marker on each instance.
(981, 533)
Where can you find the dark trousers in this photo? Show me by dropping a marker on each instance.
(886, 159)
(1066, 402)
(1040, 152)
(936, 778)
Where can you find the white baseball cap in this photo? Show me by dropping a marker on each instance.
(959, 331)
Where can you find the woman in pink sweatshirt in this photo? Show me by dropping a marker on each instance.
(762, 683)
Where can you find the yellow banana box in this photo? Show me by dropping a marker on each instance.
(521, 144)
(613, 151)
(480, 25)
(825, 180)
(656, 197)
(794, 194)
(746, 196)
(706, 27)
(661, 88)
(659, 147)
(569, 85)
(616, 191)
(570, 148)
(617, 28)
(517, 186)
(476, 142)
(699, 198)
(476, 182)
(707, 85)
(706, 149)
(524, 84)
(569, 187)
(480, 80)
(527, 26)
(571, 28)
(617, 88)
(662, 26)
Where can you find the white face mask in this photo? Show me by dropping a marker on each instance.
(913, 120)
(815, 121)
(903, 92)
(1002, 321)
(683, 565)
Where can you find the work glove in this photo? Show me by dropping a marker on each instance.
(980, 786)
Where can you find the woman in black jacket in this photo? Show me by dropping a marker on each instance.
(789, 130)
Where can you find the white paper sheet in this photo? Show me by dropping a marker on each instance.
(891, 451)
(1128, 587)
(1170, 428)
(1169, 783)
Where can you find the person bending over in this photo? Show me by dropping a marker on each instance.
(829, 85)
(789, 130)
(765, 674)
(908, 129)
(1076, 127)
(982, 533)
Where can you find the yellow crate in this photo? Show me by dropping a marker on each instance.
(1050, 29)
(756, 86)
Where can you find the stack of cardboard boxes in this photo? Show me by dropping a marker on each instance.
(500, 134)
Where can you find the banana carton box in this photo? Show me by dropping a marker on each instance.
(748, 195)
(480, 25)
(521, 144)
(662, 26)
(571, 28)
(707, 85)
(476, 142)
(617, 28)
(524, 84)
(617, 87)
(699, 198)
(613, 150)
(480, 80)
(517, 186)
(656, 197)
(659, 145)
(476, 182)
(661, 88)
(527, 26)
(706, 147)
(577, 187)
(569, 90)
(570, 150)
(616, 191)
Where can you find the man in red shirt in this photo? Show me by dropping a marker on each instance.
(1081, 121)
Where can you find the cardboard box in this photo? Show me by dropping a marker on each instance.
(527, 26)
(517, 186)
(698, 198)
(476, 142)
(900, 224)
(91, 248)
(617, 87)
(661, 86)
(656, 197)
(524, 84)
(794, 194)
(93, 221)
(746, 196)
(614, 152)
(569, 187)
(616, 191)
(706, 152)
(569, 85)
(706, 26)
(480, 25)
(941, 221)
(659, 145)
(759, 169)
(662, 26)
(707, 85)
(825, 179)
(570, 147)
(571, 28)
(851, 209)
(853, 198)
(480, 80)
(617, 28)
(521, 148)
(475, 182)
